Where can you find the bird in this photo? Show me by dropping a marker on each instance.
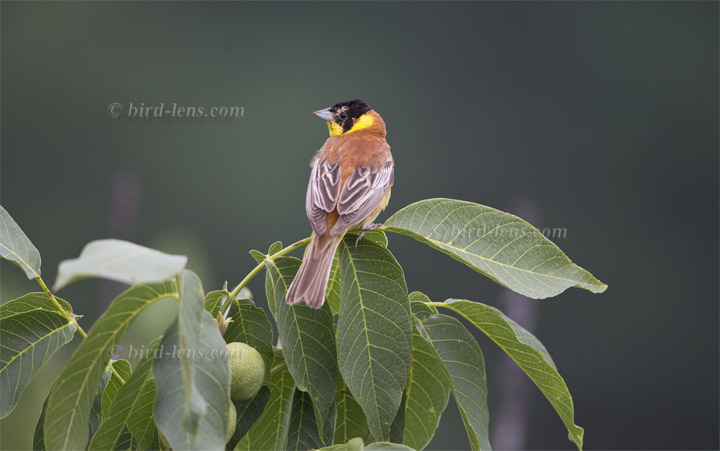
(350, 182)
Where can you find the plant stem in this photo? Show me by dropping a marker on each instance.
(115, 373)
(60, 308)
(80, 329)
(233, 294)
(277, 368)
(50, 295)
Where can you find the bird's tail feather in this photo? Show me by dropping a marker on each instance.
(311, 280)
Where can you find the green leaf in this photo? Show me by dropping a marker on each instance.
(465, 366)
(421, 310)
(377, 236)
(16, 247)
(94, 420)
(96, 414)
(357, 444)
(70, 399)
(131, 409)
(427, 393)
(270, 292)
(417, 296)
(275, 247)
(244, 294)
(257, 255)
(121, 261)
(327, 430)
(528, 353)
(125, 442)
(117, 380)
(248, 413)
(303, 431)
(31, 331)
(497, 244)
(385, 446)
(271, 430)
(332, 292)
(192, 375)
(140, 421)
(307, 337)
(33, 301)
(260, 257)
(351, 421)
(374, 331)
(214, 300)
(39, 436)
(419, 304)
(251, 325)
(397, 428)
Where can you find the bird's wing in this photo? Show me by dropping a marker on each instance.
(322, 193)
(361, 195)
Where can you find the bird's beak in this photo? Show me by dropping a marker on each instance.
(324, 114)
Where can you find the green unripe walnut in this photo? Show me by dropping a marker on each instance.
(247, 371)
(232, 422)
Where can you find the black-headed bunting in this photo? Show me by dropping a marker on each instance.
(349, 186)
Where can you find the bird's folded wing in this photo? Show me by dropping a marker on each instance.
(322, 193)
(361, 194)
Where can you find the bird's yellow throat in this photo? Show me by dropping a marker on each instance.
(364, 121)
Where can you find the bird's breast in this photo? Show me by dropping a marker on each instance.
(356, 150)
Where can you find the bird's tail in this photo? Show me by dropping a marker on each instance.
(311, 280)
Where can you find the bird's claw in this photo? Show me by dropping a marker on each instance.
(368, 228)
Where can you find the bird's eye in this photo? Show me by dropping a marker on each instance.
(343, 115)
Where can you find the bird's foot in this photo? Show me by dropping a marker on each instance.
(367, 228)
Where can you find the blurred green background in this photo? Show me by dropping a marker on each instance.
(600, 118)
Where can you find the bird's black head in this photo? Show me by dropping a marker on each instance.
(343, 116)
